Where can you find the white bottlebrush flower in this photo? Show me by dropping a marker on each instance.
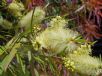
(98, 72)
(15, 8)
(58, 22)
(58, 39)
(83, 50)
(38, 16)
(86, 64)
(5, 23)
(83, 62)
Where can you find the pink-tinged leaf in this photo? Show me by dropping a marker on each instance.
(65, 72)
(9, 1)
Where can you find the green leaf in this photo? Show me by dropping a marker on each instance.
(20, 61)
(6, 61)
(38, 59)
(1, 71)
(36, 72)
(2, 37)
(2, 50)
(29, 55)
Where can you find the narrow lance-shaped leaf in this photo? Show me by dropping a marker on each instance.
(4, 64)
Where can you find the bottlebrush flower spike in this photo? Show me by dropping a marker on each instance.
(82, 62)
(39, 15)
(56, 39)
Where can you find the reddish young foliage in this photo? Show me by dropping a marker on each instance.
(100, 14)
(37, 2)
(33, 3)
(95, 3)
(9, 1)
(95, 13)
(90, 30)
